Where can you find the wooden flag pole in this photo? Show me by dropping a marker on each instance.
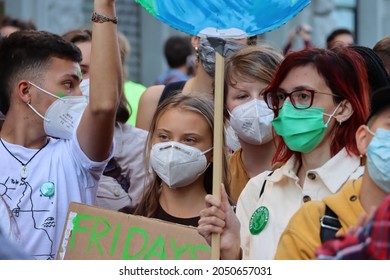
(218, 143)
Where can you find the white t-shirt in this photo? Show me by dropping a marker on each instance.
(59, 174)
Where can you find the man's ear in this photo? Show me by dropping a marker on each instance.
(24, 91)
(345, 111)
(362, 140)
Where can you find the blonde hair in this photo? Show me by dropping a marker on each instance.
(382, 49)
(251, 63)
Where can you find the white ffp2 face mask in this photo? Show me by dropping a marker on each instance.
(178, 165)
(252, 122)
(84, 87)
(63, 116)
(232, 140)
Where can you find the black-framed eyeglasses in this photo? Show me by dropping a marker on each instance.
(300, 98)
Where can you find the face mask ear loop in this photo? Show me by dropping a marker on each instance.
(36, 112)
(332, 115)
(45, 91)
(205, 152)
(230, 114)
(369, 131)
(207, 166)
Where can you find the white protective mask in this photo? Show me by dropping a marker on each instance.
(63, 116)
(232, 140)
(84, 87)
(252, 122)
(178, 165)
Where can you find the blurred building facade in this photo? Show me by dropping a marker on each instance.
(368, 19)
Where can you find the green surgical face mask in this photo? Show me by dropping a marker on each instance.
(302, 130)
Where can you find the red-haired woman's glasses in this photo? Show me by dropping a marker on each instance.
(300, 98)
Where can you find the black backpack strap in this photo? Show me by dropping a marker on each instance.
(261, 191)
(170, 90)
(113, 170)
(330, 225)
(264, 183)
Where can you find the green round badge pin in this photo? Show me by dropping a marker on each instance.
(47, 189)
(258, 220)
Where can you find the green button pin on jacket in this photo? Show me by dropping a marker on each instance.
(47, 189)
(258, 220)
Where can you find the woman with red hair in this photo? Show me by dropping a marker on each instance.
(320, 98)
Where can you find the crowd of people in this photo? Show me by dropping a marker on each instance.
(305, 165)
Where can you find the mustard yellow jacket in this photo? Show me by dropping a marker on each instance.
(301, 237)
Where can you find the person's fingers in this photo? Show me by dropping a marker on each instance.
(209, 225)
(207, 229)
(212, 211)
(212, 201)
(224, 197)
(212, 218)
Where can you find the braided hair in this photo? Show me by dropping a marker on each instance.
(376, 71)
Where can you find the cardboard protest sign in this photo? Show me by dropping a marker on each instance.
(93, 233)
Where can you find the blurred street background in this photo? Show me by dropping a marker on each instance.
(369, 20)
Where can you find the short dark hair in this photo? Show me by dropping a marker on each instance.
(337, 32)
(376, 71)
(26, 54)
(380, 101)
(176, 50)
